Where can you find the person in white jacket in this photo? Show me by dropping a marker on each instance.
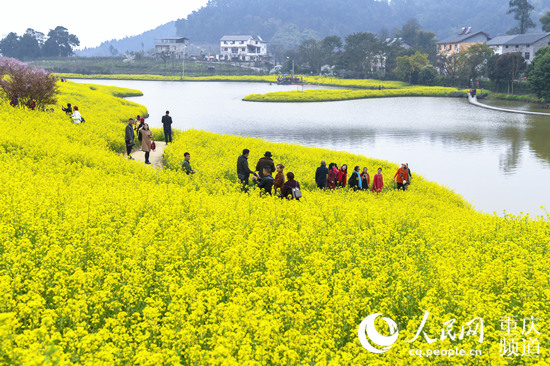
(77, 118)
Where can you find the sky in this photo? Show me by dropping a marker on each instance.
(93, 21)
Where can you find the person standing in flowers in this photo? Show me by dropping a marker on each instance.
(129, 138)
(402, 176)
(186, 165)
(146, 138)
(365, 179)
(342, 176)
(409, 175)
(279, 180)
(167, 124)
(321, 175)
(263, 162)
(378, 182)
(355, 179)
(290, 187)
(76, 117)
(68, 110)
(332, 176)
(266, 181)
(243, 171)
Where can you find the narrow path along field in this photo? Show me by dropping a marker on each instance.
(155, 157)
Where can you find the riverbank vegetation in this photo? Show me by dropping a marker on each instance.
(325, 95)
(104, 260)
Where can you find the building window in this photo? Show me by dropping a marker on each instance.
(527, 55)
(517, 46)
(506, 46)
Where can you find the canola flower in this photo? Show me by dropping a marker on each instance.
(105, 261)
(326, 95)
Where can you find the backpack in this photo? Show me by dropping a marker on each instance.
(296, 193)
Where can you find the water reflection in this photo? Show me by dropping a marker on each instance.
(495, 160)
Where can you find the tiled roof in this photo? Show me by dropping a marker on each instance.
(500, 40)
(236, 38)
(527, 38)
(461, 38)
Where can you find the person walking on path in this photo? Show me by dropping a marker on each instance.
(290, 186)
(365, 179)
(265, 182)
(186, 165)
(332, 176)
(263, 162)
(355, 179)
(342, 176)
(378, 182)
(279, 180)
(140, 138)
(243, 171)
(146, 138)
(76, 117)
(402, 176)
(321, 175)
(129, 138)
(167, 124)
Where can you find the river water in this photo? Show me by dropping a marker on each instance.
(499, 162)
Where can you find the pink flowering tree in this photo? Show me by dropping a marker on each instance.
(23, 83)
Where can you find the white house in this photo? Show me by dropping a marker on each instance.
(526, 44)
(244, 48)
(171, 47)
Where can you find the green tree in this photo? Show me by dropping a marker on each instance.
(9, 45)
(545, 21)
(539, 74)
(311, 55)
(362, 52)
(330, 45)
(521, 10)
(29, 44)
(409, 67)
(510, 66)
(418, 38)
(60, 43)
(475, 60)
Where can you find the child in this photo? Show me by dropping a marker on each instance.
(279, 180)
(378, 182)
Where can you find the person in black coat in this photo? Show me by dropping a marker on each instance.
(167, 124)
(263, 162)
(69, 109)
(265, 182)
(243, 171)
(321, 175)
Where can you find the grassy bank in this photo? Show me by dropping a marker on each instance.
(324, 95)
(107, 261)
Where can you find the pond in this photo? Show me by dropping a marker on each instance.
(499, 162)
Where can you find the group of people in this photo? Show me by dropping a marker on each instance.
(76, 117)
(334, 177)
(145, 137)
(263, 178)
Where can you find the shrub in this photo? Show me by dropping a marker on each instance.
(23, 83)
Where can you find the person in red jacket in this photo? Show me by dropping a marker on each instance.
(332, 176)
(402, 175)
(342, 176)
(378, 182)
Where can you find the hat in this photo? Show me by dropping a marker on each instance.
(268, 154)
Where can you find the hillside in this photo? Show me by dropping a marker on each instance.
(288, 22)
(140, 42)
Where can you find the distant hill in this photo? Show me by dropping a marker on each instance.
(288, 22)
(144, 41)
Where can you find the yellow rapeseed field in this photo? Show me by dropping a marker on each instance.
(104, 261)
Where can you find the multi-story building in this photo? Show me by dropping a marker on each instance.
(171, 47)
(243, 48)
(526, 44)
(461, 42)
